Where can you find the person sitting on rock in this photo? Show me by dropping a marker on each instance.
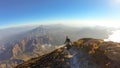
(68, 43)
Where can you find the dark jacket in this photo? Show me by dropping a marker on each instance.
(67, 42)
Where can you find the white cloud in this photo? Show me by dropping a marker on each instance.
(115, 36)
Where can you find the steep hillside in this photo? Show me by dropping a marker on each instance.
(85, 53)
(23, 50)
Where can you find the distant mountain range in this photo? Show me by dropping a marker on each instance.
(20, 44)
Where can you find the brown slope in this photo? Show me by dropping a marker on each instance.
(52, 60)
(90, 53)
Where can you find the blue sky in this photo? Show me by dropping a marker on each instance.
(17, 12)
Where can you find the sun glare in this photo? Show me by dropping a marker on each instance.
(115, 3)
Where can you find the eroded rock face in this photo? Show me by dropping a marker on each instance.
(23, 50)
(112, 50)
(85, 53)
(16, 50)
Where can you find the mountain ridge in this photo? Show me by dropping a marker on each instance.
(86, 52)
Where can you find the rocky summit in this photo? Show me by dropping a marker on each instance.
(84, 53)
